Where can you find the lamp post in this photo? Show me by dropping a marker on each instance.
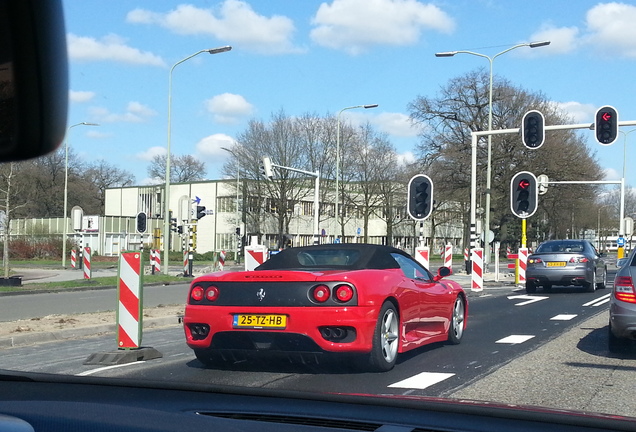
(338, 156)
(238, 186)
(488, 169)
(166, 195)
(68, 131)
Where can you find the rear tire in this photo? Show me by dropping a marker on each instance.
(603, 282)
(531, 287)
(386, 338)
(589, 286)
(615, 344)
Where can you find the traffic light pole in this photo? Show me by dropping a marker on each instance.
(475, 135)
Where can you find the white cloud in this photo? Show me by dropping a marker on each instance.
(563, 40)
(228, 108)
(150, 153)
(109, 48)
(210, 147)
(579, 112)
(611, 27)
(233, 22)
(135, 113)
(80, 96)
(396, 124)
(406, 158)
(611, 174)
(355, 25)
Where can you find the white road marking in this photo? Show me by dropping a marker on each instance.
(563, 317)
(515, 339)
(599, 301)
(529, 299)
(92, 371)
(422, 380)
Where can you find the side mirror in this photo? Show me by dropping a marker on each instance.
(442, 272)
(33, 78)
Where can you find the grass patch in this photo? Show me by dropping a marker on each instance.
(103, 282)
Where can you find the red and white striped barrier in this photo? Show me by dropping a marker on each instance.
(477, 274)
(422, 256)
(465, 254)
(129, 305)
(221, 260)
(73, 258)
(87, 263)
(186, 263)
(157, 260)
(448, 256)
(523, 264)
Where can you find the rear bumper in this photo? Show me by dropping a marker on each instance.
(623, 319)
(307, 330)
(565, 277)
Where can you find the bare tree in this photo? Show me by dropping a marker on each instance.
(10, 196)
(462, 107)
(102, 176)
(183, 169)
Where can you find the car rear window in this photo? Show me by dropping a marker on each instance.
(328, 258)
(561, 247)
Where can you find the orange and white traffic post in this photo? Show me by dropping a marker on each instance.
(129, 301)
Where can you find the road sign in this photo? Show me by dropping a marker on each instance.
(542, 184)
(628, 224)
(620, 241)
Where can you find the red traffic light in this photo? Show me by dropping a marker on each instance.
(606, 125)
(524, 184)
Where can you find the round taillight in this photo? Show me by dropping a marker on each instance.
(344, 293)
(321, 293)
(212, 293)
(197, 293)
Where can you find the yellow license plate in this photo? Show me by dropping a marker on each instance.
(260, 321)
(556, 264)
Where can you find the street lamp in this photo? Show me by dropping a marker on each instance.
(238, 185)
(338, 157)
(488, 169)
(166, 198)
(68, 131)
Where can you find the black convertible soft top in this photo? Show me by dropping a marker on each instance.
(342, 256)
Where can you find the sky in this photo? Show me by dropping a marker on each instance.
(319, 57)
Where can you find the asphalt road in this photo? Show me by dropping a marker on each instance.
(547, 349)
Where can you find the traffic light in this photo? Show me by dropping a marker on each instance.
(266, 168)
(419, 204)
(523, 194)
(606, 125)
(200, 212)
(173, 223)
(533, 129)
(142, 222)
(238, 231)
(180, 229)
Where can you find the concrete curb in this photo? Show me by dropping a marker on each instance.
(82, 332)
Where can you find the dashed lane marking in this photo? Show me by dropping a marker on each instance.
(422, 380)
(599, 301)
(563, 317)
(515, 339)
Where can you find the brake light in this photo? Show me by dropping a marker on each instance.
(624, 289)
(320, 293)
(534, 260)
(344, 293)
(196, 293)
(212, 293)
(579, 259)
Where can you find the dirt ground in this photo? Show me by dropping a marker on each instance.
(61, 322)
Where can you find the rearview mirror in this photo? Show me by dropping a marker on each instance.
(33, 78)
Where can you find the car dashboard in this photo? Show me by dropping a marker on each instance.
(40, 403)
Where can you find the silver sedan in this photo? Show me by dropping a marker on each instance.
(565, 263)
(622, 306)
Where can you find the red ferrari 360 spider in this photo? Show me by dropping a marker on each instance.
(371, 300)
